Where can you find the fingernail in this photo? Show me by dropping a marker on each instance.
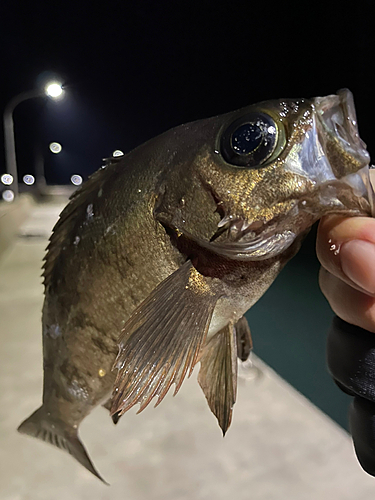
(357, 259)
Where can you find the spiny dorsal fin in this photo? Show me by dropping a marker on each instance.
(162, 339)
(218, 375)
(71, 216)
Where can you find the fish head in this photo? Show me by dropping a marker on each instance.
(273, 169)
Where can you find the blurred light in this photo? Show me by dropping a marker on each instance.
(55, 147)
(53, 89)
(8, 195)
(76, 179)
(29, 179)
(7, 179)
(117, 152)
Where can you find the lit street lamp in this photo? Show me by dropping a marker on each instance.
(53, 90)
(55, 147)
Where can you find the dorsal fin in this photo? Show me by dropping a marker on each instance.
(72, 215)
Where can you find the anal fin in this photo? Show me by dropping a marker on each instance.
(218, 375)
(162, 340)
(108, 405)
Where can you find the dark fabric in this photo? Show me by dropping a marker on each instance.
(351, 362)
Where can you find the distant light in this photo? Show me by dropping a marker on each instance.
(53, 89)
(76, 179)
(29, 179)
(117, 152)
(8, 195)
(55, 147)
(7, 179)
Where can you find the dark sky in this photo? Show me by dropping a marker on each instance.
(134, 69)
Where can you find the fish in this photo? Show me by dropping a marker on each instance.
(157, 257)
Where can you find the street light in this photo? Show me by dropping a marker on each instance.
(55, 147)
(117, 152)
(76, 180)
(53, 90)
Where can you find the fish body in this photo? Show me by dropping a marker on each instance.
(158, 256)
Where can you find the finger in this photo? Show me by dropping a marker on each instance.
(350, 304)
(346, 248)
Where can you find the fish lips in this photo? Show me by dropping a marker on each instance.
(258, 240)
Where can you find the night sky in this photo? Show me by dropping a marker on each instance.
(132, 70)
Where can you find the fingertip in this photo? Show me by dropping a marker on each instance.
(357, 259)
(327, 224)
(340, 229)
(325, 242)
(335, 233)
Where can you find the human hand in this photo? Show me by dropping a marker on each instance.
(346, 250)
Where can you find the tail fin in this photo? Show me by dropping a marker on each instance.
(54, 431)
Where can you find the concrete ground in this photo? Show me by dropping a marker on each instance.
(280, 446)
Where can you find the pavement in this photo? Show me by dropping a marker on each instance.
(12, 215)
(280, 446)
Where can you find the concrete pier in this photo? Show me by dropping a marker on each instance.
(280, 446)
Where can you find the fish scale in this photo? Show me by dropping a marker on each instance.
(158, 256)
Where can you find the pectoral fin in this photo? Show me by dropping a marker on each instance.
(218, 375)
(162, 339)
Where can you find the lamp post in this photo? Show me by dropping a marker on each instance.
(53, 90)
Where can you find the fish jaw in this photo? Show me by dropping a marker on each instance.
(331, 152)
(337, 117)
(334, 158)
(343, 147)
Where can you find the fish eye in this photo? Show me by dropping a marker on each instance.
(250, 140)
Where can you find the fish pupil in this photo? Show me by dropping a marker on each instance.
(246, 139)
(250, 140)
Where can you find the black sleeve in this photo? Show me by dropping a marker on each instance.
(351, 362)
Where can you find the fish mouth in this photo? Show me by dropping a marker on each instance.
(256, 240)
(242, 240)
(337, 115)
(262, 239)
